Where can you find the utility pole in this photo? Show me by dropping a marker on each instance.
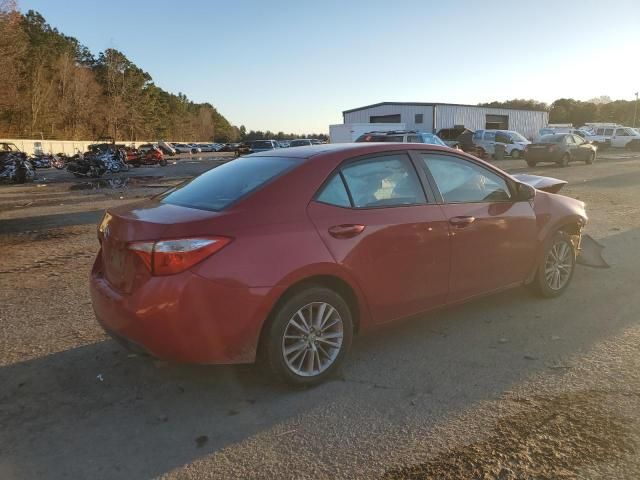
(635, 112)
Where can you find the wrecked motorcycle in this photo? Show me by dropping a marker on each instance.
(15, 168)
(89, 166)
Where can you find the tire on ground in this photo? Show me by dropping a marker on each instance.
(271, 348)
(540, 283)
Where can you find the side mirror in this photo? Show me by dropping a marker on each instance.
(524, 192)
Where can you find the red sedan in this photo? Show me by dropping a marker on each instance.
(285, 254)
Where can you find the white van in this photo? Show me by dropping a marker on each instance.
(514, 143)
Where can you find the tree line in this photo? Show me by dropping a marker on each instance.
(54, 87)
(577, 112)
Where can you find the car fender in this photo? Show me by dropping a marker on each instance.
(553, 213)
(326, 269)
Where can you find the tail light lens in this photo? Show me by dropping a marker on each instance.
(551, 148)
(167, 257)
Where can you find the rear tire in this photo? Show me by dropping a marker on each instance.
(556, 268)
(532, 163)
(321, 346)
(591, 159)
(564, 161)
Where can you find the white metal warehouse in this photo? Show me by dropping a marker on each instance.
(431, 117)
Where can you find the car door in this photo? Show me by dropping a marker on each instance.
(620, 137)
(493, 236)
(583, 149)
(571, 147)
(380, 224)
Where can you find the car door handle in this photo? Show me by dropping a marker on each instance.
(462, 222)
(346, 231)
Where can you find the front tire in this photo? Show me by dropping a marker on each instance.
(532, 163)
(308, 337)
(591, 159)
(515, 154)
(556, 267)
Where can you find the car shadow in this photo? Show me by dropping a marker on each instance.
(44, 222)
(97, 412)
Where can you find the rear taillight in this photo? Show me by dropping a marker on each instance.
(167, 257)
(551, 148)
(103, 226)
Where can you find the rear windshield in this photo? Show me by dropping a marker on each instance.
(221, 186)
(557, 138)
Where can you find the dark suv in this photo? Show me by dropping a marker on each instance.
(402, 136)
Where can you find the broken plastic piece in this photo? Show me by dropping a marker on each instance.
(591, 253)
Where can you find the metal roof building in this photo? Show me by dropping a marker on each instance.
(431, 117)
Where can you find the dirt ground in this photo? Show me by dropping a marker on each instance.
(508, 387)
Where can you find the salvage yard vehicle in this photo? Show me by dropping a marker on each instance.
(92, 166)
(453, 137)
(561, 148)
(263, 146)
(14, 164)
(402, 136)
(486, 140)
(269, 256)
(148, 154)
(184, 148)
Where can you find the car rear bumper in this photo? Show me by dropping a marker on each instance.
(184, 317)
(542, 156)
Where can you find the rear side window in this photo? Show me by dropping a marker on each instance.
(335, 193)
(382, 182)
(490, 136)
(221, 186)
(414, 139)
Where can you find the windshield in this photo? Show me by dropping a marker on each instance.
(221, 186)
(8, 147)
(516, 137)
(432, 139)
(261, 144)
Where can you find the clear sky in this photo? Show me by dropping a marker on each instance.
(295, 65)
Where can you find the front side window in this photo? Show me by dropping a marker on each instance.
(578, 140)
(384, 181)
(569, 140)
(460, 181)
(334, 193)
(608, 131)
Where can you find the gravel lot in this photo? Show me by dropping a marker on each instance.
(508, 387)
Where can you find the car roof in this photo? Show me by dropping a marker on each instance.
(350, 149)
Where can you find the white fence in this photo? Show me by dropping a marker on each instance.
(70, 147)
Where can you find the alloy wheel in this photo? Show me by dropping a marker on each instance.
(558, 265)
(312, 339)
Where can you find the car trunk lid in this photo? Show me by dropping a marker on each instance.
(147, 221)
